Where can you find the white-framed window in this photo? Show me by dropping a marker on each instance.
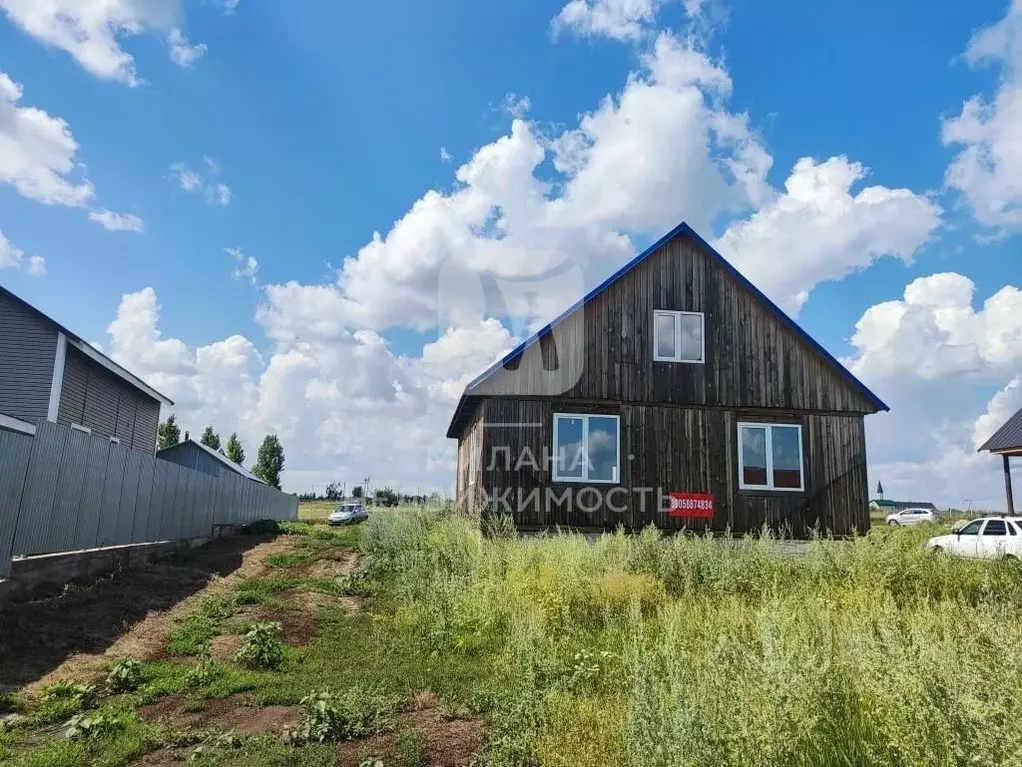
(770, 457)
(473, 457)
(679, 336)
(79, 427)
(587, 448)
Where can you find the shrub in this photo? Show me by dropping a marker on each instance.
(81, 694)
(94, 726)
(262, 647)
(125, 676)
(355, 713)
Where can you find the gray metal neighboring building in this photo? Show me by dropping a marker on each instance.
(195, 455)
(48, 373)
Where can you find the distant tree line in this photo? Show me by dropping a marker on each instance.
(269, 460)
(384, 496)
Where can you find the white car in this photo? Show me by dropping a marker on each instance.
(911, 517)
(986, 538)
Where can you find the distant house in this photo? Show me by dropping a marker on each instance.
(887, 507)
(195, 455)
(674, 394)
(48, 373)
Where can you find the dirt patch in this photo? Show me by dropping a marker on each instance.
(449, 742)
(234, 713)
(337, 564)
(310, 602)
(297, 625)
(127, 614)
(222, 648)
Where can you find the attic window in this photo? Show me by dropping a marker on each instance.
(678, 336)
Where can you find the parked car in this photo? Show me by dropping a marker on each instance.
(911, 517)
(348, 513)
(986, 538)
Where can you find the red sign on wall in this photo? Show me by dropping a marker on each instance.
(699, 505)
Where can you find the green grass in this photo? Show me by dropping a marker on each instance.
(196, 629)
(634, 650)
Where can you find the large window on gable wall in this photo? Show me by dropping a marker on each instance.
(678, 336)
(587, 448)
(770, 457)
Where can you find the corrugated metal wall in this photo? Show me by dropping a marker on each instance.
(94, 397)
(64, 489)
(28, 344)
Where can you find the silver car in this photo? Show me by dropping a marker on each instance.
(348, 513)
(911, 517)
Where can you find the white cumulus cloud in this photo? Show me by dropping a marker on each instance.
(37, 152)
(615, 19)
(819, 230)
(13, 257)
(987, 170)
(91, 31)
(931, 355)
(337, 400)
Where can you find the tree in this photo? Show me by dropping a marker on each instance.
(270, 461)
(168, 434)
(235, 451)
(335, 491)
(356, 491)
(210, 438)
(386, 497)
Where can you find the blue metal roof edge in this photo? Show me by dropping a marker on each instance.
(682, 228)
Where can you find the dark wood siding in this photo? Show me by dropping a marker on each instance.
(470, 472)
(672, 448)
(604, 351)
(95, 398)
(28, 346)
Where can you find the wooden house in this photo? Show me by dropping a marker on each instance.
(673, 394)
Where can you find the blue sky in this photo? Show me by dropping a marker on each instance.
(326, 122)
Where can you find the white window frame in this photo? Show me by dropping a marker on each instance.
(585, 449)
(769, 446)
(677, 336)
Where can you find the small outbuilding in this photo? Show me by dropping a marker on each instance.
(1007, 442)
(195, 455)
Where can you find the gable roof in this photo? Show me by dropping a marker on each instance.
(468, 401)
(1008, 437)
(91, 351)
(235, 467)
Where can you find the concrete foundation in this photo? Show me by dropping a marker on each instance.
(47, 572)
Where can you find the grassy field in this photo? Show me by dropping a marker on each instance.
(634, 650)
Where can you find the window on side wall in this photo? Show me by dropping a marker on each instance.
(587, 448)
(678, 336)
(473, 457)
(770, 457)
